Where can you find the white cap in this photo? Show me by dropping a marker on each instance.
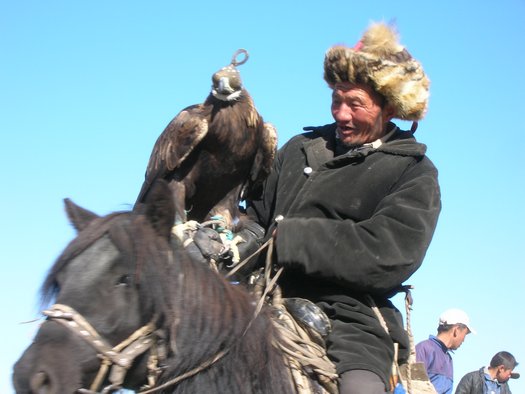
(455, 316)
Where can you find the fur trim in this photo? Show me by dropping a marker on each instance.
(382, 62)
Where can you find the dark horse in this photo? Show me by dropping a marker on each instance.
(130, 305)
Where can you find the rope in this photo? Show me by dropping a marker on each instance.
(188, 374)
(245, 261)
(377, 312)
(412, 348)
(412, 355)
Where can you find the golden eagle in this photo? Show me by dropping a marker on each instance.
(215, 153)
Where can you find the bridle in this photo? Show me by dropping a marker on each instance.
(120, 357)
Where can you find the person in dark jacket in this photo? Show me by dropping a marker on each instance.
(358, 202)
(492, 379)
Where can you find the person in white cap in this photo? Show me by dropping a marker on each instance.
(454, 325)
(492, 379)
(352, 206)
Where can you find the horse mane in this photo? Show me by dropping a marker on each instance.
(201, 312)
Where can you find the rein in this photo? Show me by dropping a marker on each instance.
(120, 357)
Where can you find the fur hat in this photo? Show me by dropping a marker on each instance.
(380, 61)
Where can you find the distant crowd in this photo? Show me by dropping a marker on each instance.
(435, 353)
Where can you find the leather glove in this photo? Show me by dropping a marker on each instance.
(249, 239)
(207, 245)
(253, 236)
(209, 242)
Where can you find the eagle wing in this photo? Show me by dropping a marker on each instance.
(177, 141)
(264, 158)
(268, 148)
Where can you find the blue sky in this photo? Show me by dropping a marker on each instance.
(87, 87)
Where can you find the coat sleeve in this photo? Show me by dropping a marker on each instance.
(377, 254)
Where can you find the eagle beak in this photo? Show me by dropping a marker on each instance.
(224, 86)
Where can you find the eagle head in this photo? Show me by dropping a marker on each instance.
(227, 82)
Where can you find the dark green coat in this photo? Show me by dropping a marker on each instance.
(356, 224)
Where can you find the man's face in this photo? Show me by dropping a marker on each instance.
(359, 113)
(459, 335)
(503, 374)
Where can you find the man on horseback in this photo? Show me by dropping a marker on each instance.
(352, 206)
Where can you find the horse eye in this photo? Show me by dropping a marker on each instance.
(124, 280)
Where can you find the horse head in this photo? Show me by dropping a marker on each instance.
(130, 309)
(102, 308)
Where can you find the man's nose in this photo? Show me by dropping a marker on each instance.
(343, 113)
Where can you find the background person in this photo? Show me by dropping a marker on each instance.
(492, 379)
(434, 352)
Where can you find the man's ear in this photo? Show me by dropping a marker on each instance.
(389, 112)
(455, 331)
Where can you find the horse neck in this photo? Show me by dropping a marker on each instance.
(210, 313)
(213, 317)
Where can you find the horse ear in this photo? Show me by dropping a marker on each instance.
(159, 207)
(78, 216)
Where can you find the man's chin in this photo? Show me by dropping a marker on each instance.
(348, 139)
(350, 142)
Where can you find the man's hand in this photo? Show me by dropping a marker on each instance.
(205, 244)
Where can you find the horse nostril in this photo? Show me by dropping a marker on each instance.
(40, 383)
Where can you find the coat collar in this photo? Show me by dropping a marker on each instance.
(320, 150)
(320, 147)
